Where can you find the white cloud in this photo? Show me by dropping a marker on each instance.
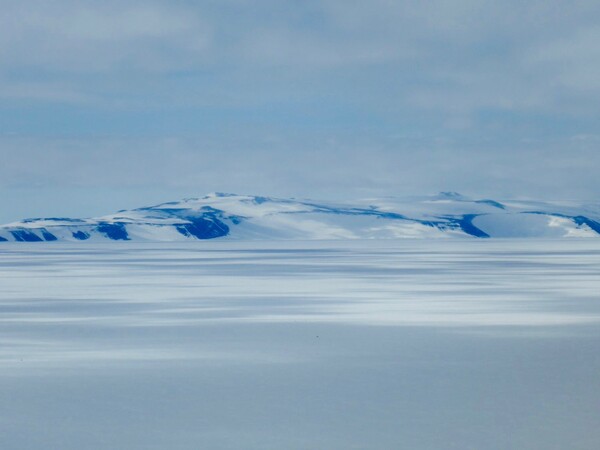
(573, 60)
(460, 55)
(91, 37)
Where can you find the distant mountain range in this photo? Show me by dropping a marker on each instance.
(232, 216)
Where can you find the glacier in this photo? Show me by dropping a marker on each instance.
(243, 217)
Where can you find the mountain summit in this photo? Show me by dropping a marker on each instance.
(233, 216)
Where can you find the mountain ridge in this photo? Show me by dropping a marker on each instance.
(232, 216)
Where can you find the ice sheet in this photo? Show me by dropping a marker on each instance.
(300, 345)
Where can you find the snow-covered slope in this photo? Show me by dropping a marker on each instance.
(232, 216)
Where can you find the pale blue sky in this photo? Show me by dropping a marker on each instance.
(114, 104)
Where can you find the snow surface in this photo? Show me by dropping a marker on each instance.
(245, 217)
(360, 344)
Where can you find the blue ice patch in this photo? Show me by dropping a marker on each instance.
(350, 212)
(53, 219)
(578, 220)
(202, 228)
(464, 223)
(80, 235)
(47, 235)
(114, 231)
(25, 236)
(493, 203)
(260, 200)
(581, 220)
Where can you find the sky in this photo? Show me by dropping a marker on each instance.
(119, 104)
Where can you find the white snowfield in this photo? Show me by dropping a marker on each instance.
(244, 217)
(270, 345)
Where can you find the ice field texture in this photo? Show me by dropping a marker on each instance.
(363, 344)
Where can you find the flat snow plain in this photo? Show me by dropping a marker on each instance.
(463, 344)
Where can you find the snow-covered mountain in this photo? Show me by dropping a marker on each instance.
(232, 216)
